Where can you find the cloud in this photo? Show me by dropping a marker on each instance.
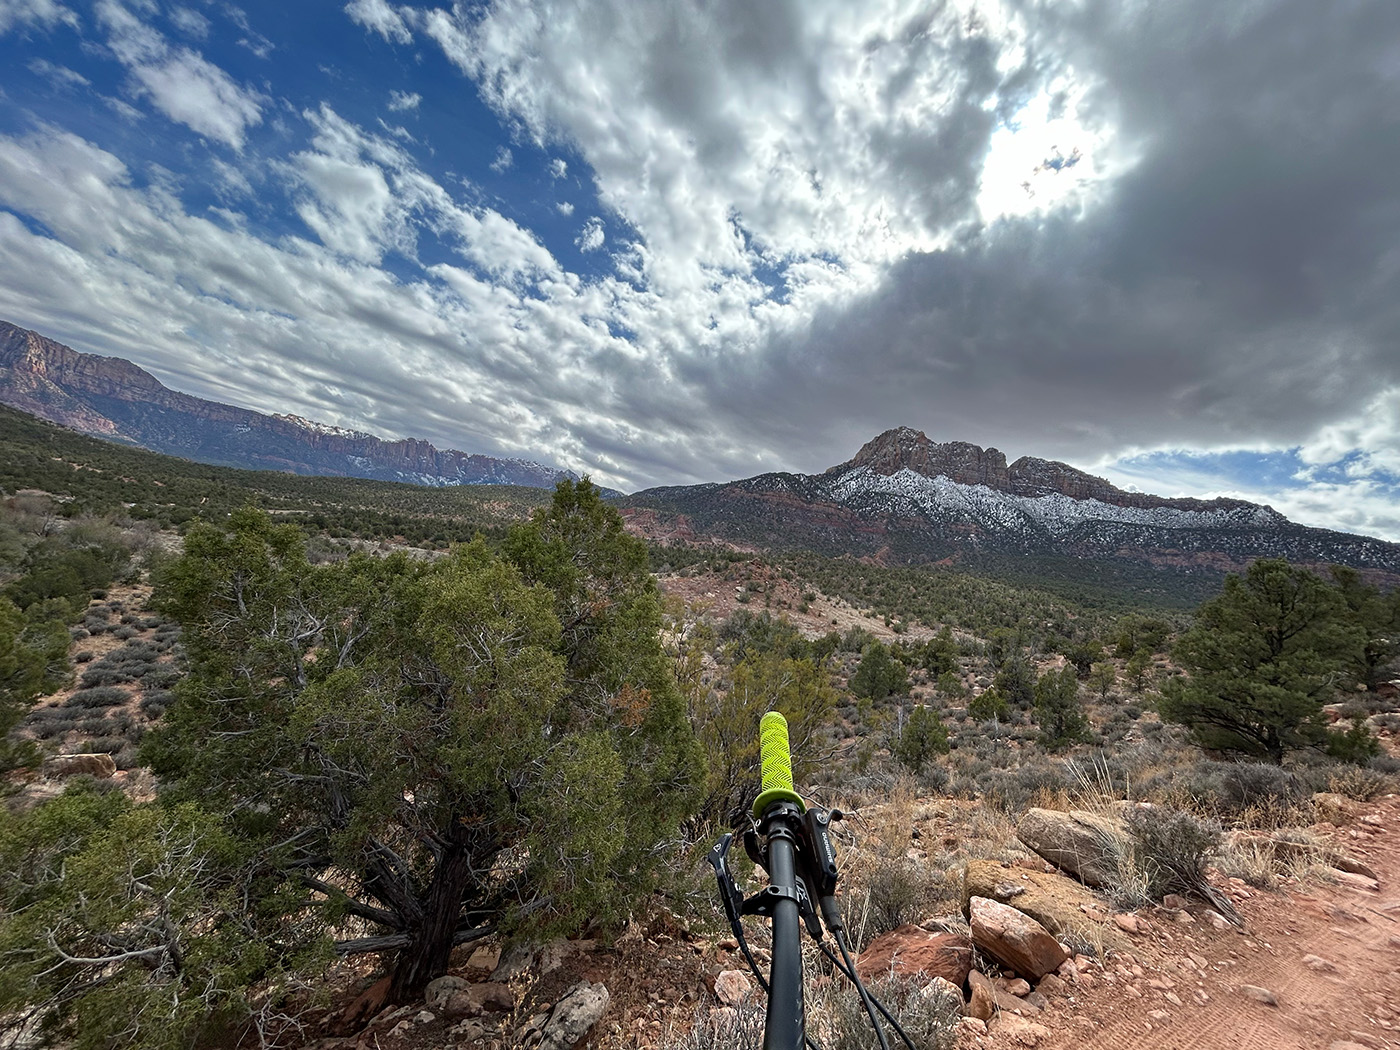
(17, 14)
(60, 75)
(1089, 231)
(558, 168)
(378, 16)
(401, 101)
(190, 22)
(564, 208)
(180, 83)
(590, 238)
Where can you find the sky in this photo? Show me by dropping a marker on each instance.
(700, 240)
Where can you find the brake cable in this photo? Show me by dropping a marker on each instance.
(792, 843)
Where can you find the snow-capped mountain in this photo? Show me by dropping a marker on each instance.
(907, 498)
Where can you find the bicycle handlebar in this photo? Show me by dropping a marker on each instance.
(776, 760)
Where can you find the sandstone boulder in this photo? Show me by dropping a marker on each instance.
(1083, 844)
(1015, 938)
(1057, 903)
(910, 950)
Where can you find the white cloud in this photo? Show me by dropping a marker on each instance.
(503, 159)
(399, 101)
(558, 168)
(190, 22)
(564, 208)
(590, 238)
(15, 14)
(180, 83)
(378, 16)
(60, 75)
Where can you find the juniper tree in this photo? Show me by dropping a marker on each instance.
(1057, 708)
(1262, 658)
(423, 748)
(923, 736)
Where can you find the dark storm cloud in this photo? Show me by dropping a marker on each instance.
(1238, 285)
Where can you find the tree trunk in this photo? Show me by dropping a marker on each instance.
(426, 954)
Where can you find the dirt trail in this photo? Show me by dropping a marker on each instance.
(1330, 955)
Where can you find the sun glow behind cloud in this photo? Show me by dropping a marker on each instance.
(1044, 157)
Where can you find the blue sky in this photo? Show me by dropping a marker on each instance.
(672, 243)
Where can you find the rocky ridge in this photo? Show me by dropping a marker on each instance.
(908, 499)
(111, 398)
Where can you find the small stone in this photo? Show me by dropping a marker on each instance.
(732, 987)
(729, 944)
(1174, 901)
(1172, 998)
(1036, 1000)
(426, 1017)
(1216, 919)
(982, 1003)
(1126, 922)
(1051, 985)
(942, 988)
(1259, 995)
(975, 1025)
(1026, 1033)
(1160, 1015)
(1019, 987)
(1351, 878)
(1185, 918)
(441, 989)
(1318, 963)
(1161, 983)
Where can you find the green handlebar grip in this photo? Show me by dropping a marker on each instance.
(777, 765)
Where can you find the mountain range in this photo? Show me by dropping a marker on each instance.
(111, 398)
(906, 499)
(902, 499)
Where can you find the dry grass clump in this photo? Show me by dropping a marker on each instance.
(837, 1019)
(1360, 783)
(722, 1028)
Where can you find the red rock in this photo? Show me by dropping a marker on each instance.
(910, 950)
(1014, 938)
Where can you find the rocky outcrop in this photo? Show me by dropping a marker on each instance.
(112, 398)
(1015, 938)
(1059, 904)
(911, 950)
(906, 449)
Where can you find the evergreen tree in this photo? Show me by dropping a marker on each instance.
(923, 736)
(1058, 710)
(1102, 678)
(1263, 657)
(879, 674)
(987, 705)
(389, 732)
(1016, 681)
